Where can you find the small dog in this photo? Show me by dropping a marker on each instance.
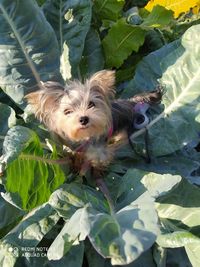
(87, 114)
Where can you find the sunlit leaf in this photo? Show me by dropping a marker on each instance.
(29, 178)
(178, 7)
(176, 68)
(26, 40)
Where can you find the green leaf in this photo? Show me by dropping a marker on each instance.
(73, 230)
(193, 252)
(182, 238)
(108, 9)
(178, 206)
(5, 99)
(124, 236)
(71, 22)
(121, 40)
(95, 259)
(158, 17)
(74, 258)
(16, 140)
(177, 239)
(41, 2)
(30, 178)
(159, 255)
(92, 58)
(11, 216)
(177, 67)
(188, 164)
(177, 257)
(154, 40)
(7, 120)
(27, 234)
(136, 182)
(70, 197)
(27, 40)
(121, 236)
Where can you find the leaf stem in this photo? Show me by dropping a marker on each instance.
(62, 161)
(104, 189)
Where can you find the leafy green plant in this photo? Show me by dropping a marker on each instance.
(50, 216)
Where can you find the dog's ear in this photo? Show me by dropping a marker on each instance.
(46, 100)
(105, 80)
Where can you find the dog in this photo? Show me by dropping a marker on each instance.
(87, 115)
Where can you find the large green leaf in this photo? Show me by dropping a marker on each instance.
(71, 22)
(177, 67)
(135, 182)
(29, 50)
(123, 38)
(181, 204)
(74, 229)
(124, 236)
(121, 236)
(27, 234)
(30, 176)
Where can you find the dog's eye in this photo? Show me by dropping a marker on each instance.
(91, 104)
(67, 111)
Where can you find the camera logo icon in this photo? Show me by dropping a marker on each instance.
(14, 251)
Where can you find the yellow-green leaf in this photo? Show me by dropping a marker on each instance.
(180, 6)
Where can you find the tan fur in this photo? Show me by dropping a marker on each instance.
(45, 102)
(105, 80)
(51, 103)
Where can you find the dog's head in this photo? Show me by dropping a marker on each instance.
(77, 111)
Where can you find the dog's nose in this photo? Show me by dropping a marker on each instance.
(84, 120)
